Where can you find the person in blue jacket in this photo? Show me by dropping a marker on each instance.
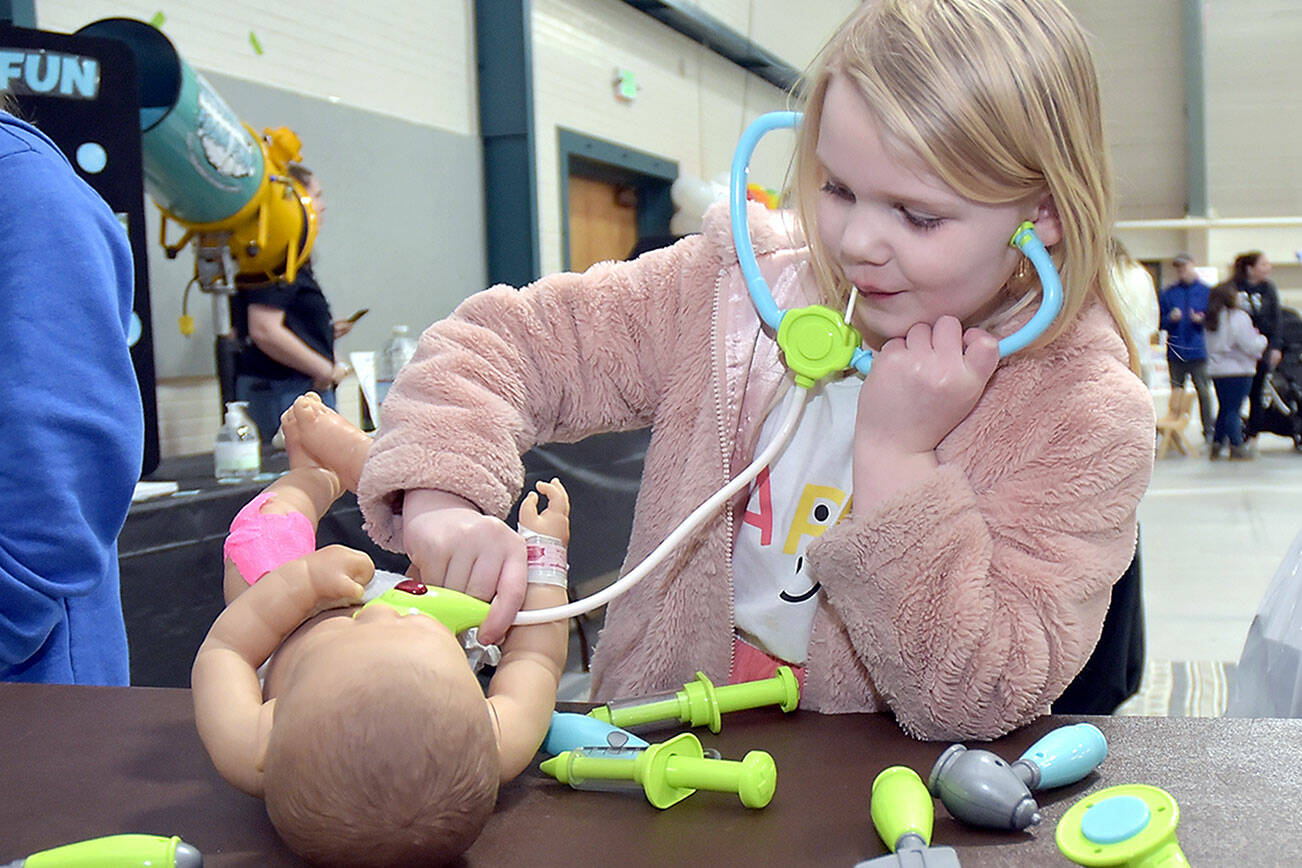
(1183, 307)
(73, 435)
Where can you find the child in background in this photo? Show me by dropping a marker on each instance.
(939, 539)
(1234, 349)
(370, 739)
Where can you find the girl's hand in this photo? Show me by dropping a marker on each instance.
(454, 545)
(921, 386)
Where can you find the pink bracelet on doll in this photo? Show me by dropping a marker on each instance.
(259, 542)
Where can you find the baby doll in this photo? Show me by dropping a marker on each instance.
(370, 738)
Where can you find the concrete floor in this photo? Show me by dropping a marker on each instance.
(1212, 534)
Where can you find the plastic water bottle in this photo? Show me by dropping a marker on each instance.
(237, 454)
(397, 351)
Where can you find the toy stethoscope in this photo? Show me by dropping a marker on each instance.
(816, 341)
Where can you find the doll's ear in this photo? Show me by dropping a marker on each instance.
(266, 716)
(1048, 225)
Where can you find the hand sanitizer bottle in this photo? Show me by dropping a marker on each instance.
(237, 454)
(396, 352)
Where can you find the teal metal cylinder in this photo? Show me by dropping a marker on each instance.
(202, 165)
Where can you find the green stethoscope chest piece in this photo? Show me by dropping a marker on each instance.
(1130, 824)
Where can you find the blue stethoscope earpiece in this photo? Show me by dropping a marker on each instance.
(816, 341)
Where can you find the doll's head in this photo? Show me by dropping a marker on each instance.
(382, 750)
(995, 102)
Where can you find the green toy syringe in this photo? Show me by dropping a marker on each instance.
(117, 851)
(667, 772)
(700, 702)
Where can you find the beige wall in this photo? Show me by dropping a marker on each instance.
(691, 104)
(414, 60)
(1252, 68)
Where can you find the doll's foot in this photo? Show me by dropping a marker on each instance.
(316, 436)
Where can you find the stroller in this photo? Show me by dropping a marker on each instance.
(1281, 392)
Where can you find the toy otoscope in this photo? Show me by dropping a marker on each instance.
(699, 702)
(667, 772)
(1132, 825)
(903, 814)
(979, 788)
(117, 851)
(816, 341)
(457, 611)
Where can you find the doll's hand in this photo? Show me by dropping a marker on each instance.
(452, 544)
(921, 386)
(554, 521)
(337, 575)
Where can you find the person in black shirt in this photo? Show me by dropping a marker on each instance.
(1260, 299)
(287, 336)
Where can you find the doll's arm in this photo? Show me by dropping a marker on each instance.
(233, 721)
(308, 491)
(522, 694)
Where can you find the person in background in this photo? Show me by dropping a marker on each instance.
(74, 428)
(1138, 300)
(938, 539)
(1183, 310)
(287, 336)
(1234, 347)
(1260, 299)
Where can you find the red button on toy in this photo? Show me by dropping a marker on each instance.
(411, 586)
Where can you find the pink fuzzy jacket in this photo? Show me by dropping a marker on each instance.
(964, 607)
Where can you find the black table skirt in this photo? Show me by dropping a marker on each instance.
(170, 549)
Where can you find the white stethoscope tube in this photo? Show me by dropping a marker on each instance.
(680, 533)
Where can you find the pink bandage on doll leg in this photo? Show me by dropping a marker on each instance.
(259, 542)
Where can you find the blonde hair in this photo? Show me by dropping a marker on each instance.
(399, 766)
(1000, 100)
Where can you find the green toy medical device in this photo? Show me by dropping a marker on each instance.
(667, 772)
(455, 610)
(117, 851)
(700, 703)
(1131, 825)
(816, 341)
(903, 815)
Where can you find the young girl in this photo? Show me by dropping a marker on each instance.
(940, 538)
(1234, 347)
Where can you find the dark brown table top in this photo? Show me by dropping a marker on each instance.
(79, 762)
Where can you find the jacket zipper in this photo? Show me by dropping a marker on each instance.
(721, 367)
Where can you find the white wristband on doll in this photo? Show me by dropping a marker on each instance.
(548, 561)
